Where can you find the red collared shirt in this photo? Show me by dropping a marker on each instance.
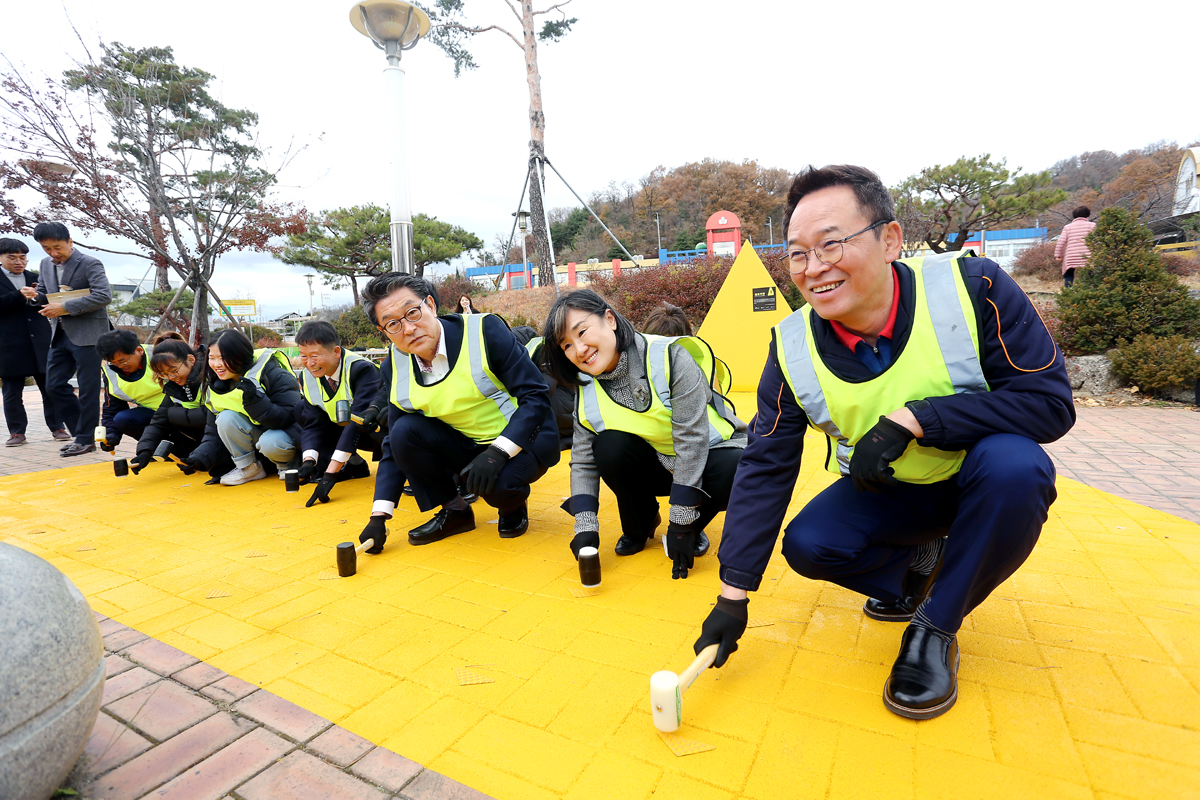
(851, 340)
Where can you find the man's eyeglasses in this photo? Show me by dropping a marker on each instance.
(828, 252)
(394, 326)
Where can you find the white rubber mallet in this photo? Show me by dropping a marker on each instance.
(667, 688)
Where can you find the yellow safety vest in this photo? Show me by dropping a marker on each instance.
(145, 391)
(470, 398)
(314, 392)
(598, 412)
(232, 400)
(941, 357)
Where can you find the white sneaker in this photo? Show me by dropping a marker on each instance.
(237, 477)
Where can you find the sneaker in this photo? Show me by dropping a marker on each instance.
(16, 440)
(61, 435)
(237, 477)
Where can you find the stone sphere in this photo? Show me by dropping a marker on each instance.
(51, 675)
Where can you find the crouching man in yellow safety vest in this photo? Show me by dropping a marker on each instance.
(933, 380)
(466, 406)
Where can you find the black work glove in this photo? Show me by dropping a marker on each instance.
(680, 544)
(375, 530)
(249, 390)
(370, 419)
(883, 444)
(480, 475)
(139, 462)
(725, 625)
(110, 435)
(185, 468)
(307, 470)
(322, 491)
(585, 539)
(199, 461)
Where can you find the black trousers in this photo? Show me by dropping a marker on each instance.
(630, 467)
(432, 454)
(132, 422)
(14, 404)
(80, 414)
(331, 436)
(1069, 277)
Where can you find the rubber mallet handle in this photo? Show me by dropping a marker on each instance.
(703, 661)
(368, 544)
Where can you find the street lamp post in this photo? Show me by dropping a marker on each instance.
(310, 294)
(770, 231)
(658, 230)
(394, 26)
(522, 224)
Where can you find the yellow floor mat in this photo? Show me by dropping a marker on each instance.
(473, 656)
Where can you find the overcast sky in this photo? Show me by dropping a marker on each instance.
(893, 86)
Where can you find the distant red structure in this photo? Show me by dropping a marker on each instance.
(724, 231)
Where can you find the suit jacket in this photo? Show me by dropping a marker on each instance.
(532, 427)
(364, 379)
(87, 317)
(25, 332)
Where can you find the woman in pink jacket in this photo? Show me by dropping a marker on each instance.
(1072, 247)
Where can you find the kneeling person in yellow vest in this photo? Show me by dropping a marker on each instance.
(647, 423)
(338, 385)
(251, 397)
(932, 381)
(131, 394)
(467, 406)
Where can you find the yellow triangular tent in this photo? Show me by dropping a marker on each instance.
(738, 326)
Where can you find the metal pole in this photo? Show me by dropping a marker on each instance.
(546, 215)
(525, 258)
(658, 230)
(593, 213)
(770, 231)
(401, 210)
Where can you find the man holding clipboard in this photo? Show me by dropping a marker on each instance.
(73, 293)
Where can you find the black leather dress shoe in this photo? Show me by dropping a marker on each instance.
(77, 449)
(352, 471)
(513, 525)
(631, 543)
(924, 679)
(444, 523)
(468, 497)
(702, 544)
(913, 591)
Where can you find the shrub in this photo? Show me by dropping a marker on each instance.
(268, 341)
(1181, 265)
(452, 287)
(1039, 262)
(1153, 363)
(521, 306)
(1125, 291)
(356, 330)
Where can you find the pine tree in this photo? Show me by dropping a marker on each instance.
(1124, 291)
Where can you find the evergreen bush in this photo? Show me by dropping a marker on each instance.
(1153, 363)
(356, 330)
(1125, 291)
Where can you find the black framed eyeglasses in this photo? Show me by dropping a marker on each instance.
(394, 326)
(829, 252)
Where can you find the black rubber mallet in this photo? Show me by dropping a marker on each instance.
(347, 557)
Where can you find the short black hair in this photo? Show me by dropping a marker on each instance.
(320, 332)
(169, 352)
(553, 357)
(874, 199)
(391, 282)
(113, 342)
(51, 231)
(1082, 211)
(9, 246)
(236, 351)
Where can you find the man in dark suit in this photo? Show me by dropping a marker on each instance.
(467, 406)
(75, 325)
(26, 337)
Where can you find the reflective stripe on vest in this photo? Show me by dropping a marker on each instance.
(532, 345)
(145, 391)
(232, 400)
(314, 392)
(598, 412)
(943, 333)
(470, 398)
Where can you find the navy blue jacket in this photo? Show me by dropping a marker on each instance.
(1030, 396)
(531, 427)
(364, 380)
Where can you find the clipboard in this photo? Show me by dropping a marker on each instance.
(62, 297)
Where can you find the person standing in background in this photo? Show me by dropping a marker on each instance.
(1072, 248)
(26, 336)
(75, 325)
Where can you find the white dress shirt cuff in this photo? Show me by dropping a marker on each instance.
(383, 507)
(507, 446)
(340, 456)
(311, 455)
